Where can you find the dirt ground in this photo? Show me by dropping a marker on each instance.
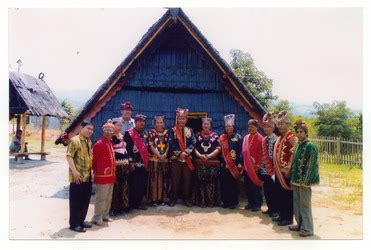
(39, 210)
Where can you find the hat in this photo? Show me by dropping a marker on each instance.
(108, 125)
(283, 116)
(268, 120)
(126, 105)
(181, 112)
(159, 118)
(229, 120)
(253, 122)
(140, 117)
(301, 124)
(117, 119)
(206, 119)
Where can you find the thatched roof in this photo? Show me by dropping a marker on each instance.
(172, 15)
(32, 94)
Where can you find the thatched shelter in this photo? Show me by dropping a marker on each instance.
(32, 96)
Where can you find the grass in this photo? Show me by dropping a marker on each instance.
(346, 184)
(34, 140)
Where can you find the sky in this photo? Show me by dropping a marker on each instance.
(312, 54)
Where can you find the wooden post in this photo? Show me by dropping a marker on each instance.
(338, 152)
(43, 124)
(23, 138)
(18, 122)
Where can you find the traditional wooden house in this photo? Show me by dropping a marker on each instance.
(172, 66)
(30, 96)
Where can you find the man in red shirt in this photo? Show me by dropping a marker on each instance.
(252, 152)
(104, 174)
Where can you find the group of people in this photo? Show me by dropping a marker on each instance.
(133, 168)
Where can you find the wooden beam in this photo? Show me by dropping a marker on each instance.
(43, 125)
(23, 127)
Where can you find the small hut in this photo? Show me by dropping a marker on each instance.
(30, 96)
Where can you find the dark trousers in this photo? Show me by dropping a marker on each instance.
(229, 188)
(286, 203)
(137, 186)
(181, 178)
(253, 192)
(270, 193)
(79, 202)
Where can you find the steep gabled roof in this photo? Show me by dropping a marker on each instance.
(237, 89)
(28, 93)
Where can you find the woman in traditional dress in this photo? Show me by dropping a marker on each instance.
(207, 150)
(158, 169)
(120, 196)
(231, 163)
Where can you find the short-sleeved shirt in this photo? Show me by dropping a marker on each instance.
(80, 149)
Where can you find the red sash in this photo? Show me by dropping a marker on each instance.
(135, 136)
(265, 159)
(279, 175)
(248, 164)
(182, 146)
(228, 158)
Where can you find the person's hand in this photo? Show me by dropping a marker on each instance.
(203, 158)
(182, 155)
(77, 178)
(162, 157)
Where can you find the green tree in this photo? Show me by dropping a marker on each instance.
(282, 105)
(335, 119)
(253, 78)
(70, 110)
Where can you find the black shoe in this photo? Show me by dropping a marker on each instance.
(113, 214)
(248, 207)
(78, 229)
(266, 212)
(277, 218)
(86, 225)
(255, 209)
(232, 207)
(284, 223)
(171, 203)
(274, 215)
(225, 206)
(295, 228)
(305, 234)
(142, 207)
(188, 203)
(28, 159)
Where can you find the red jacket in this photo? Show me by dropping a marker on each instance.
(104, 162)
(256, 149)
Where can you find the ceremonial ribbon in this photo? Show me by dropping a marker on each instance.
(248, 164)
(135, 136)
(228, 158)
(182, 146)
(279, 175)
